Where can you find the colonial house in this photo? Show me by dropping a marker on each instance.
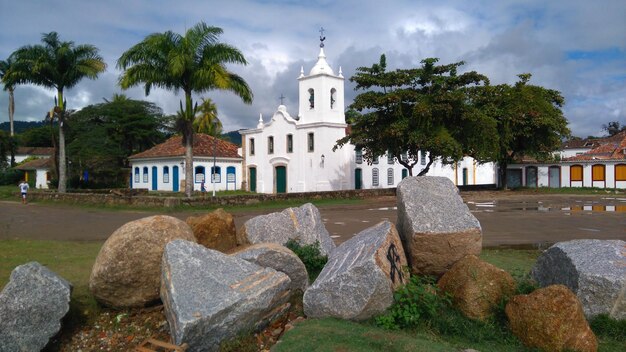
(295, 153)
(162, 168)
(36, 171)
(599, 162)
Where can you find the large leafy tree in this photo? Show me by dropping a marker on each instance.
(426, 109)
(104, 136)
(529, 118)
(57, 65)
(194, 63)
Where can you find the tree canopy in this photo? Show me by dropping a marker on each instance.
(425, 109)
(104, 135)
(194, 63)
(529, 119)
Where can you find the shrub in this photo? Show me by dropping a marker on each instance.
(310, 255)
(11, 177)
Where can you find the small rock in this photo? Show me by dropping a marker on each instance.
(476, 287)
(551, 319)
(215, 230)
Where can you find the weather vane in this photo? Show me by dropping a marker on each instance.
(282, 98)
(322, 38)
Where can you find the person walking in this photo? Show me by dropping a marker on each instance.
(24, 189)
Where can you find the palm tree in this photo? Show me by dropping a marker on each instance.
(5, 66)
(193, 63)
(58, 65)
(206, 120)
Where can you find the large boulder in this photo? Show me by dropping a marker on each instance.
(32, 305)
(127, 271)
(277, 257)
(436, 227)
(210, 297)
(551, 319)
(476, 287)
(215, 230)
(595, 270)
(303, 224)
(360, 277)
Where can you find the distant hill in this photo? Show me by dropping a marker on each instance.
(21, 126)
(233, 137)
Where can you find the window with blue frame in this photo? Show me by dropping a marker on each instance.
(374, 177)
(136, 175)
(199, 174)
(216, 174)
(166, 174)
(390, 176)
(145, 174)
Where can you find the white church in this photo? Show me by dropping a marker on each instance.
(295, 153)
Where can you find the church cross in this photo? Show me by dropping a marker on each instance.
(282, 98)
(322, 38)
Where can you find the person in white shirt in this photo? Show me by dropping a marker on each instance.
(24, 189)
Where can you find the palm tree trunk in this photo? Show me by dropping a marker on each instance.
(62, 164)
(189, 181)
(188, 138)
(11, 110)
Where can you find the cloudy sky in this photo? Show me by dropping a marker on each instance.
(575, 46)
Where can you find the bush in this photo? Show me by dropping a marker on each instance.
(310, 255)
(11, 177)
(420, 305)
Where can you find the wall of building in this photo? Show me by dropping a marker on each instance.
(543, 171)
(164, 183)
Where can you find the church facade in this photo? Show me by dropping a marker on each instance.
(295, 153)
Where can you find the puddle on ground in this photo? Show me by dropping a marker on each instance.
(617, 205)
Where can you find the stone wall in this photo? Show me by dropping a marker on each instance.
(120, 198)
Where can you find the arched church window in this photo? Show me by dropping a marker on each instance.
(333, 97)
(311, 98)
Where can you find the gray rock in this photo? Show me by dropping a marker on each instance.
(210, 297)
(32, 305)
(360, 277)
(279, 258)
(303, 224)
(436, 227)
(595, 270)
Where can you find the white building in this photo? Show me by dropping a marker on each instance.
(295, 153)
(597, 163)
(36, 171)
(162, 168)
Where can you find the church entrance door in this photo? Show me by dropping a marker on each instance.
(253, 179)
(281, 179)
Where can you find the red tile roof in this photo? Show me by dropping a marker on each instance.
(202, 146)
(43, 163)
(34, 151)
(611, 148)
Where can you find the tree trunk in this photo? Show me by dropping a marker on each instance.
(62, 162)
(502, 175)
(11, 110)
(427, 168)
(189, 181)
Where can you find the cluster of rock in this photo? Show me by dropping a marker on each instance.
(215, 282)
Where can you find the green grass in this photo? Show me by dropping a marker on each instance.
(71, 260)
(7, 192)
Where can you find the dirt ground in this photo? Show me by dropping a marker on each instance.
(507, 219)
